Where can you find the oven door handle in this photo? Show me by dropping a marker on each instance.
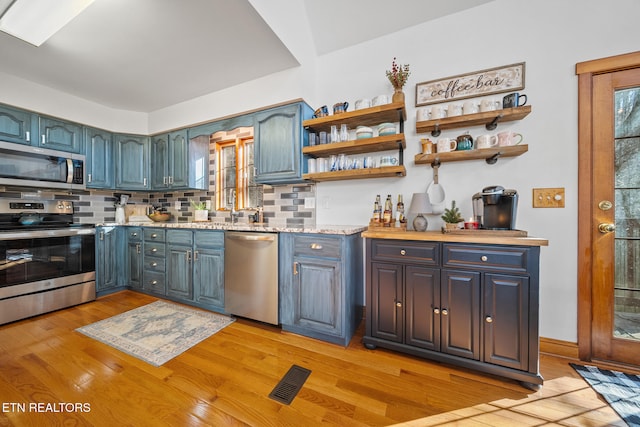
(43, 234)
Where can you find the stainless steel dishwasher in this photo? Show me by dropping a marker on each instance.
(251, 275)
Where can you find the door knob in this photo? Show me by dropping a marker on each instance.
(606, 227)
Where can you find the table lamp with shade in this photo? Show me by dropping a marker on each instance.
(420, 205)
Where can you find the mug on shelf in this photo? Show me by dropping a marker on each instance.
(340, 107)
(363, 103)
(321, 112)
(490, 104)
(446, 144)
(464, 142)
(514, 100)
(437, 112)
(388, 161)
(470, 107)
(486, 141)
(454, 110)
(380, 100)
(422, 114)
(508, 138)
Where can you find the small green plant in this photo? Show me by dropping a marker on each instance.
(199, 206)
(453, 215)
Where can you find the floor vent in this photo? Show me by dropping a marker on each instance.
(289, 386)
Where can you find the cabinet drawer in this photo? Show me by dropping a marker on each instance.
(154, 282)
(426, 253)
(134, 234)
(154, 249)
(180, 237)
(209, 239)
(503, 258)
(153, 264)
(154, 234)
(326, 247)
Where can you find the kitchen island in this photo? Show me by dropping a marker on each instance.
(319, 270)
(469, 299)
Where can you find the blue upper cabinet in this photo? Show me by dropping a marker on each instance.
(279, 138)
(99, 165)
(132, 162)
(177, 163)
(17, 126)
(60, 135)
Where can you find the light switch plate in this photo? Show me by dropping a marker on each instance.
(309, 202)
(548, 197)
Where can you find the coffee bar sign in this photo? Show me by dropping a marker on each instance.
(508, 78)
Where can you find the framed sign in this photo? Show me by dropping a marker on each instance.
(508, 78)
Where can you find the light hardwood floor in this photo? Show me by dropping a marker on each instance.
(226, 379)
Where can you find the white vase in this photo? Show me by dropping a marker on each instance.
(202, 215)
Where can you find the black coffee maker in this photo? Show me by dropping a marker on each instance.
(495, 208)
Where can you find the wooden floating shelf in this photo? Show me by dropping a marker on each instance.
(480, 154)
(383, 172)
(478, 119)
(358, 146)
(372, 116)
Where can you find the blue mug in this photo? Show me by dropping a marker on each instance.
(513, 100)
(340, 107)
(321, 112)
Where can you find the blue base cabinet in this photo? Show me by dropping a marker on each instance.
(321, 285)
(107, 265)
(208, 269)
(279, 138)
(133, 257)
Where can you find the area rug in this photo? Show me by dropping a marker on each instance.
(157, 332)
(620, 390)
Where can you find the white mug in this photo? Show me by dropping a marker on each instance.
(486, 141)
(321, 165)
(422, 114)
(380, 100)
(470, 107)
(437, 112)
(454, 110)
(446, 144)
(508, 138)
(388, 161)
(363, 103)
(490, 104)
(311, 165)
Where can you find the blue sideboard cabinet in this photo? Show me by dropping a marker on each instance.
(279, 138)
(321, 285)
(99, 166)
(60, 135)
(132, 162)
(17, 126)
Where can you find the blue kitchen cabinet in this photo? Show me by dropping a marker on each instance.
(132, 162)
(177, 163)
(279, 138)
(208, 269)
(106, 259)
(133, 256)
(153, 261)
(321, 285)
(179, 261)
(17, 126)
(60, 135)
(99, 165)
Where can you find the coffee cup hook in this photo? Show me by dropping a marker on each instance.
(494, 123)
(436, 130)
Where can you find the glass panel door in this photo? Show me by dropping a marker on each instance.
(627, 213)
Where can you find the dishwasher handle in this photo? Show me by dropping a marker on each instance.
(250, 237)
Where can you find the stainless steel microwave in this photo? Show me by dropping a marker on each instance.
(39, 167)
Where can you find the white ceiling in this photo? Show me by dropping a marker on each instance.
(144, 55)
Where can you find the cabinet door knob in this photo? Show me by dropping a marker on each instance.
(154, 282)
(154, 249)
(154, 235)
(484, 258)
(154, 264)
(295, 268)
(436, 310)
(398, 304)
(488, 319)
(316, 246)
(138, 248)
(445, 312)
(403, 252)
(134, 234)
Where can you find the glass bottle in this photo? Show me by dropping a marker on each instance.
(400, 210)
(377, 210)
(387, 216)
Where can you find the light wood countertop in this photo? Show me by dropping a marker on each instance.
(437, 236)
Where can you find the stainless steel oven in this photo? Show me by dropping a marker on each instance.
(46, 262)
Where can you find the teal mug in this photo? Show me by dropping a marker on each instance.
(465, 142)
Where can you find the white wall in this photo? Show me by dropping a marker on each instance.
(551, 36)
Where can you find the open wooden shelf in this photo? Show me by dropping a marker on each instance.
(486, 118)
(479, 154)
(373, 116)
(358, 146)
(382, 172)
